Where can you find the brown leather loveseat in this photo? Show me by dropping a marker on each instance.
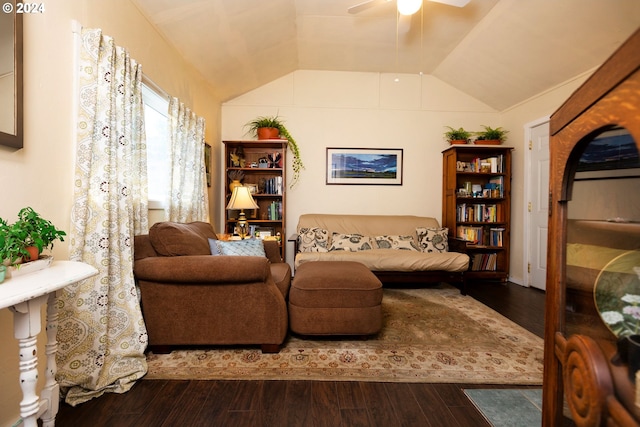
(190, 297)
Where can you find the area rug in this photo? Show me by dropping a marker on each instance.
(431, 335)
(508, 407)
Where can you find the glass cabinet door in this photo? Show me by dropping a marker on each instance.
(603, 238)
(602, 271)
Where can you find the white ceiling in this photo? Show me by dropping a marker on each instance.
(501, 52)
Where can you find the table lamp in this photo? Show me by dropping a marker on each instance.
(241, 199)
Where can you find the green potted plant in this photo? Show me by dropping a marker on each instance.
(12, 243)
(265, 127)
(41, 233)
(457, 136)
(29, 231)
(491, 136)
(257, 128)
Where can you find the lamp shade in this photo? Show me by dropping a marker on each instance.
(409, 7)
(241, 199)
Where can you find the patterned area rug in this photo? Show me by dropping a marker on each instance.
(431, 335)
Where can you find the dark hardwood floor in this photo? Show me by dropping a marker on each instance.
(307, 403)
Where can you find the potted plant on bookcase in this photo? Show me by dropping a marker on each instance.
(491, 136)
(457, 136)
(258, 128)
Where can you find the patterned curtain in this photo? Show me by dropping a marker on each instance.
(188, 196)
(101, 332)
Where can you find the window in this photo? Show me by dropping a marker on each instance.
(156, 113)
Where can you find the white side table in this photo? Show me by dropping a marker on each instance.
(24, 296)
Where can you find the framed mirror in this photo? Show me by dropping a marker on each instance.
(11, 129)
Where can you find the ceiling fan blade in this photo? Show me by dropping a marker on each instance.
(361, 7)
(456, 3)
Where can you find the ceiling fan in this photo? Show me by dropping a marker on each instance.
(405, 7)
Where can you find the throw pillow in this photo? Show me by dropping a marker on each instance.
(213, 246)
(313, 240)
(406, 243)
(350, 242)
(247, 247)
(175, 239)
(433, 239)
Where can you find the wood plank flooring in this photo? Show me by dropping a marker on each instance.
(307, 403)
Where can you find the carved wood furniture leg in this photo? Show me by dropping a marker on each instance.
(24, 295)
(51, 390)
(26, 328)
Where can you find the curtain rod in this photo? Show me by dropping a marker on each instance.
(156, 88)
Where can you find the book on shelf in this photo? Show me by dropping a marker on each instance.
(479, 236)
(494, 164)
(478, 212)
(470, 234)
(274, 212)
(273, 185)
(484, 262)
(496, 236)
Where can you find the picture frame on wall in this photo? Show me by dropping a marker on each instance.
(364, 166)
(611, 155)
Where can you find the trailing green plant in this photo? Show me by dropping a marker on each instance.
(29, 230)
(276, 122)
(457, 134)
(492, 134)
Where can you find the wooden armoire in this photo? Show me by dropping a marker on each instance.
(593, 246)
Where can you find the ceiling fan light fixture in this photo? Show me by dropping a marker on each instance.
(409, 7)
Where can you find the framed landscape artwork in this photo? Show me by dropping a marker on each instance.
(368, 166)
(612, 154)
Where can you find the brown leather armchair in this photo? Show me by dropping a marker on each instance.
(190, 297)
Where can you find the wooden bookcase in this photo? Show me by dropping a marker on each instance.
(476, 206)
(269, 180)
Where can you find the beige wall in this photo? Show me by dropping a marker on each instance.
(369, 110)
(365, 110)
(515, 119)
(40, 175)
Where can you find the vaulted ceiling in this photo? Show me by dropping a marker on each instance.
(501, 52)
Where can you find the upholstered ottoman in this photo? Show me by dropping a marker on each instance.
(335, 298)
